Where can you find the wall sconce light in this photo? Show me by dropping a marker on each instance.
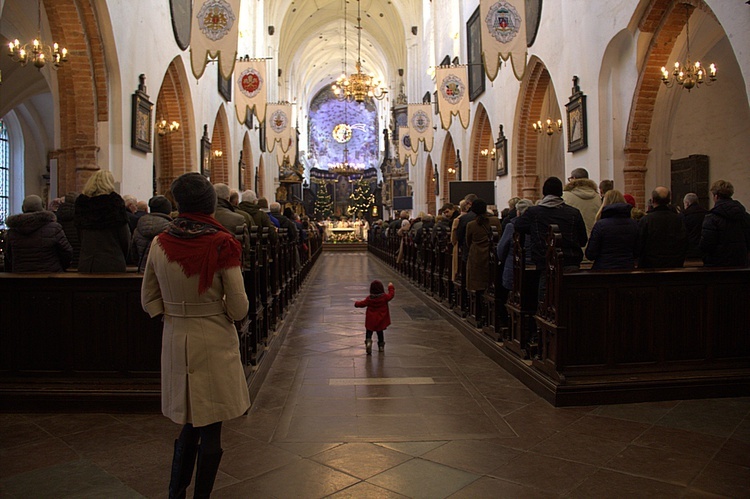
(487, 152)
(218, 153)
(164, 128)
(550, 127)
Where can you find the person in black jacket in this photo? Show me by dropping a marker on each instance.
(693, 215)
(662, 238)
(35, 241)
(725, 238)
(65, 217)
(149, 226)
(614, 238)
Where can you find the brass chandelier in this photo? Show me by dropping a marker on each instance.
(357, 86)
(37, 52)
(692, 73)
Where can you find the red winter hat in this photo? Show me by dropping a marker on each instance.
(630, 200)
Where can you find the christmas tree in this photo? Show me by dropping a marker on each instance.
(323, 202)
(361, 199)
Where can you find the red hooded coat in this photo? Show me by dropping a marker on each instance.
(378, 316)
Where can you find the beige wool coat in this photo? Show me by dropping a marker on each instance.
(202, 379)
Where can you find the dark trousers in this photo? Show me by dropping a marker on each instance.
(368, 336)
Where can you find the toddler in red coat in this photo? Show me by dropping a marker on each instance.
(378, 316)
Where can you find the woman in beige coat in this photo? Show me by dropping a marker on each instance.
(193, 278)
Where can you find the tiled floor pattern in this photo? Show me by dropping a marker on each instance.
(430, 417)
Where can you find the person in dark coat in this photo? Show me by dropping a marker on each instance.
(102, 222)
(662, 238)
(725, 238)
(284, 223)
(149, 226)
(249, 205)
(35, 241)
(614, 238)
(65, 217)
(693, 215)
(478, 242)
(505, 245)
(378, 316)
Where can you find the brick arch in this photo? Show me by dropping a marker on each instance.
(173, 153)
(448, 159)
(220, 142)
(247, 164)
(260, 178)
(533, 90)
(429, 186)
(481, 138)
(82, 90)
(666, 20)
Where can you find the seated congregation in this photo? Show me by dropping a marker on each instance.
(588, 300)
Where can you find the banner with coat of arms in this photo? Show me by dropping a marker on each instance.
(214, 33)
(250, 94)
(420, 126)
(503, 35)
(405, 151)
(278, 126)
(453, 94)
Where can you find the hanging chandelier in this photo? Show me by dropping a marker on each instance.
(357, 86)
(692, 73)
(163, 127)
(37, 52)
(550, 126)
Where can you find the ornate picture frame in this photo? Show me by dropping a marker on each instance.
(205, 154)
(141, 130)
(474, 53)
(576, 119)
(225, 85)
(501, 154)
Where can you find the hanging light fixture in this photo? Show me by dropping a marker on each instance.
(38, 52)
(550, 126)
(692, 73)
(357, 86)
(165, 128)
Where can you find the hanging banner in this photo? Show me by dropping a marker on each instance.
(278, 126)
(214, 33)
(289, 154)
(250, 89)
(453, 94)
(420, 126)
(405, 151)
(503, 35)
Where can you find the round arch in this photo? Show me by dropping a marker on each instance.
(449, 169)
(481, 140)
(220, 148)
(173, 155)
(538, 155)
(429, 186)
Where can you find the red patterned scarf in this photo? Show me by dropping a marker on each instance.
(200, 245)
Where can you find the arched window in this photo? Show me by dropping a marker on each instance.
(4, 173)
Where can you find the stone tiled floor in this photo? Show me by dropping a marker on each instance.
(430, 417)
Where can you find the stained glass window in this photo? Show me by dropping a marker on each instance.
(4, 173)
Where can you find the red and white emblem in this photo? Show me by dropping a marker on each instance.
(250, 82)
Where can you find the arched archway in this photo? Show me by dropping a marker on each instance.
(537, 155)
(82, 90)
(481, 141)
(247, 164)
(672, 111)
(173, 155)
(429, 186)
(220, 148)
(448, 171)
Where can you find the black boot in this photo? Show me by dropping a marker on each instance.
(381, 346)
(368, 346)
(183, 463)
(208, 465)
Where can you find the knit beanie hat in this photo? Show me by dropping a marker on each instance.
(630, 200)
(32, 203)
(376, 288)
(194, 194)
(160, 204)
(479, 207)
(552, 187)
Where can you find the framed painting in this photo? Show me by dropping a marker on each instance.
(225, 86)
(501, 153)
(205, 154)
(474, 49)
(141, 131)
(576, 119)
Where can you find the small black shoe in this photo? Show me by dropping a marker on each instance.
(368, 346)
(381, 346)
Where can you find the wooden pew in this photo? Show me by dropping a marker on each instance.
(621, 336)
(522, 302)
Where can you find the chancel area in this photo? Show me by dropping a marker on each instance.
(602, 351)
